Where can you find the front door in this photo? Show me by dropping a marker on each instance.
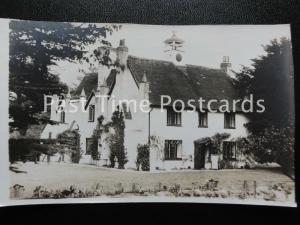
(199, 160)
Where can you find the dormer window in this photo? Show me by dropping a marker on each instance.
(173, 118)
(203, 119)
(91, 113)
(229, 120)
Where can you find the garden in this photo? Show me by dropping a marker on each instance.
(63, 180)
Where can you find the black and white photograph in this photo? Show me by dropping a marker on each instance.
(147, 113)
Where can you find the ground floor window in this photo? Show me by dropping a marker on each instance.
(173, 149)
(88, 144)
(229, 150)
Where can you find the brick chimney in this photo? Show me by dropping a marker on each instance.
(122, 54)
(225, 64)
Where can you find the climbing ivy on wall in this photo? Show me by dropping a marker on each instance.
(69, 142)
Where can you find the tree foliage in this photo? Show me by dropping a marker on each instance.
(143, 157)
(270, 79)
(34, 48)
(273, 145)
(214, 143)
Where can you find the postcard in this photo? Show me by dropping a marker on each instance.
(95, 112)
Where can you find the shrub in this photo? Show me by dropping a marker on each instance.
(273, 145)
(158, 187)
(211, 185)
(136, 188)
(119, 189)
(16, 191)
(174, 189)
(143, 160)
(116, 140)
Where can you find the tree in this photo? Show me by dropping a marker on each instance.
(270, 79)
(116, 140)
(34, 47)
(143, 157)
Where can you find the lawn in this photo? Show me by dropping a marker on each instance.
(57, 176)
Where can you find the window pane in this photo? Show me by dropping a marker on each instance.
(91, 113)
(202, 119)
(229, 120)
(173, 118)
(173, 149)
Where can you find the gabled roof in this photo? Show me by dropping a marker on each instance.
(178, 82)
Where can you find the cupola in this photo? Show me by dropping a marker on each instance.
(174, 49)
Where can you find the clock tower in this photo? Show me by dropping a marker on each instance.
(174, 49)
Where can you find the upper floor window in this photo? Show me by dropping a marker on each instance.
(173, 118)
(173, 149)
(126, 111)
(91, 113)
(229, 120)
(62, 117)
(203, 119)
(229, 150)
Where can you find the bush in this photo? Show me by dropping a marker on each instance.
(143, 154)
(273, 145)
(174, 189)
(211, 185)
(116, 140)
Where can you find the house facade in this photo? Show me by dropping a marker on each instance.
(176, 138)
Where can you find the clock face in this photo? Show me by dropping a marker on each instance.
(178, 57)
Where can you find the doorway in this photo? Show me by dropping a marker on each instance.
(200, 153)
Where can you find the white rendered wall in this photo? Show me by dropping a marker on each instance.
(188, 132)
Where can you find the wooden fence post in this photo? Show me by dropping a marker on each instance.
(245, 188)
(254, 186)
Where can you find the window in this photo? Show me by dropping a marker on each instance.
(173, 149)
(229, 120)
(202, 119)
(62, 116)
(91, 113)
(229, 150)
(173, 118)
(88, 146)
(50, 135)
(126, 111)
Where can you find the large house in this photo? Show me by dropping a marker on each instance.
(178, 135)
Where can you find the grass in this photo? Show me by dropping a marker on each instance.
(57, 176)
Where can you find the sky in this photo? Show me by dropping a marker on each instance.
(205, 45)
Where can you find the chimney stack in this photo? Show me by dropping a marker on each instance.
(122, 54)
(225, 64)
